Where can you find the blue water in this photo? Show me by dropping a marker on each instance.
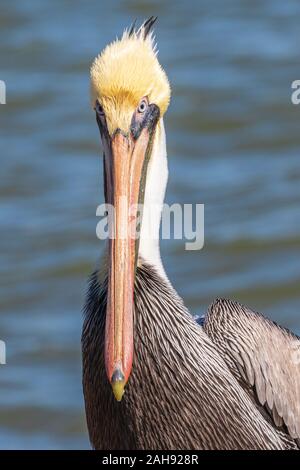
(233, 143)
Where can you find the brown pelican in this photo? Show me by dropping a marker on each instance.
(232, 382)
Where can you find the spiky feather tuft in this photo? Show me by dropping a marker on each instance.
(125, 72)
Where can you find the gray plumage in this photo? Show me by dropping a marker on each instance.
(232, 383)
(264, 355)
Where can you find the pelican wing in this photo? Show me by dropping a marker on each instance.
(261, 354)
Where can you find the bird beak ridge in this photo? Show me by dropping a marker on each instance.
(123, 172)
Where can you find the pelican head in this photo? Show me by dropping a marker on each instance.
(130, 94)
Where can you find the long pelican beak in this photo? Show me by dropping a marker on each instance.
(125, 165)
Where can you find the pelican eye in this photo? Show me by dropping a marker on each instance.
(98, 108)
(143, 105)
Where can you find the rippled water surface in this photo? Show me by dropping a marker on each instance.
(233, 144)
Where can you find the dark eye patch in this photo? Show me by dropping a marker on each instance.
(149, 120)
(99, 109)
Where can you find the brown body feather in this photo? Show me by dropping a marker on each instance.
(181, 394)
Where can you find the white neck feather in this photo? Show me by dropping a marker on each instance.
(156, 182)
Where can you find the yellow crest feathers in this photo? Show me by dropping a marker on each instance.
(125, 72)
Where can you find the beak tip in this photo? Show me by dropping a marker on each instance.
(118, 384)
(118, 390)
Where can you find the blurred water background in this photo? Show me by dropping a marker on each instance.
(233, 144)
